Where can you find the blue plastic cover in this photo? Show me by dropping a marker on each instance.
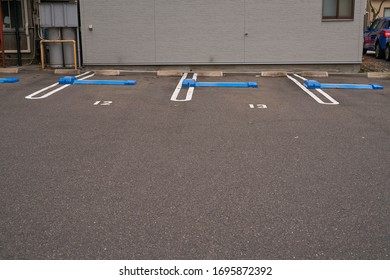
(9, 80)
(67, 80)
(374, 86)
(189, 83)
(312, 84)
(74, 81)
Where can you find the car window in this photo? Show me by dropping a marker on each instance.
(379, 25)
(373, 24)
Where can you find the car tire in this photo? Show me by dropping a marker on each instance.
(364, 51)
(378, 51)
(387, 52)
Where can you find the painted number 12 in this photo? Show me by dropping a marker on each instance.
(102, 103)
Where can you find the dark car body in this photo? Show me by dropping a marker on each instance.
(376, 38)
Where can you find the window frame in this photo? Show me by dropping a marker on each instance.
(384, 12)
(21, 25)
(338, 17)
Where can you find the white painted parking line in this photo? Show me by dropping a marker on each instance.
(320, 91)
(33, 95)
(190, 91)
(332, 101)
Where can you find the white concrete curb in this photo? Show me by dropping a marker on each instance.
(378, 75)
(9, 70)
(274, 74)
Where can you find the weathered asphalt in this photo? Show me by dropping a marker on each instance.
(148, 178)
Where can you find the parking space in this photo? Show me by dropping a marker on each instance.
(124, 172)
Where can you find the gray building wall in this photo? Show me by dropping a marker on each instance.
(158, 32)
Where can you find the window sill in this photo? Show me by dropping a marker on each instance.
(337, 19)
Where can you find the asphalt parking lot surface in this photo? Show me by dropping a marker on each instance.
(116, 172)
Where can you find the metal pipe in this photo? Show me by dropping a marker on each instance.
(2, 37)
(79, 44)
(58, 41)
(17, 33)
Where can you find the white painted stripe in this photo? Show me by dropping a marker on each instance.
(42, 90)
(32, 96)
(309, 92)
(190, 90)
(178, 88)
(334, 102)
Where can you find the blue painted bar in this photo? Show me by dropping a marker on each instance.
(192, 83)
(74, 81)
(312, 84)
(9, 80)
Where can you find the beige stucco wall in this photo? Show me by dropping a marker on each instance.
(376, 4)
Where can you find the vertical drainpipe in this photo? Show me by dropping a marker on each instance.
(2, 38)
(79, 44)
(17, 33)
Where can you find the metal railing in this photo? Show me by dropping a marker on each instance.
(58, 41)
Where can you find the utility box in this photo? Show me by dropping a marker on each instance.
(60, 20)
(58, 15)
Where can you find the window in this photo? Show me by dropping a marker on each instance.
(380, 25)
(386, 12)
(338, 9)
(8, 8)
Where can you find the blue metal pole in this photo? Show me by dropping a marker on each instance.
(9, 80)
(312, 84)
(193, 83)
(75, 81)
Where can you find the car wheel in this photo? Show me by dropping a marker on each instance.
(364, 51)
(387, 52)
(378, 51)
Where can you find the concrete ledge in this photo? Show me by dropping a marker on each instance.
(143, 73)
(255, 74)
(9, 70)
(66, 72)
(315, 74)
(108, 72)
(170, 73)
(274, 74)
(210, 73)
(378, 75)
(174, 73)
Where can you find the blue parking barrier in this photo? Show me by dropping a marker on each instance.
(74, 81)
(193, 83)
(9, 80)
(312, 84)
